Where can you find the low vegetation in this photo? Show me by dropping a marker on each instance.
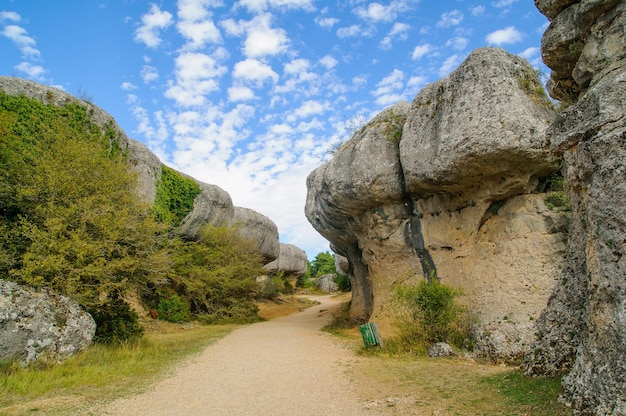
(102, 372)
(70, 221)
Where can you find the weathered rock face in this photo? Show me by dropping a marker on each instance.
(213, 206)
(259, 228)
(583, 328)
(291, 261)
(41, 325)
(326, 283)
(444, 187)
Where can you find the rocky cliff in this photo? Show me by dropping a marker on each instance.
(448, 186)
(583, 328)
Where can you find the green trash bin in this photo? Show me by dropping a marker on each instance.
(369, 332)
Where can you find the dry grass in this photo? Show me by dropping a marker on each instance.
(101, 372)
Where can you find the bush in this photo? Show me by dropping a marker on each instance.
(217, 274)
(116, 321)
(343, 282)
(174, 198)
(172, 308)
(431, 315)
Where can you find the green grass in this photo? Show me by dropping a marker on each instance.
(102, 372)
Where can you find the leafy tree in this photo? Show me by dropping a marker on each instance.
(324, 263)
(217, 274)
(70, 218)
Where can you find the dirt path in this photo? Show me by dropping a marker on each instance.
(281, 367)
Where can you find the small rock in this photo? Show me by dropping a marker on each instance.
(441, 349)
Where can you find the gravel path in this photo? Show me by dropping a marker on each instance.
(285, 366)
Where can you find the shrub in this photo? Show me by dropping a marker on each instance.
(431, 315)
(217, 274)
(116, 321)
(343, 282)
(172, 308)
(174, 198)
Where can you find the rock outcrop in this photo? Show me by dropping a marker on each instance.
(326, 283)
(257, 227)
(583, 328)
(449, 187)
(292, 261)
(213, 206)
(40, 325)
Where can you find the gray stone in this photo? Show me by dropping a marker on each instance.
(292, 261)
(326, 283)
(257, 227)
(213, 206)
(583, 328)
(449, 187)
(40, 325)
(441, 349)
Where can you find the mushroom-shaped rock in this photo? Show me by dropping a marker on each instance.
(292, 261)
(212, 206)
(257, 227)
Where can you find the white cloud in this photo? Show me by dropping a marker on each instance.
(194, 10)
(255, 71)
(128, 86)
(417, 81)
(149, 74)
(458, 42)
(504, 36)
(376, 12)
(350, 31)
(261, 39)
(326, 22)
(262, 5)
(240, 93)
(503, 3)
(421, 50)
(33, 71)
(10, 16)
(398, 31)
(199, 33)
(20, 38)
(449, 64)
(477, 11)
(329, 62)
(196, 76)
(296, 66)
(448, 19)
(389, 90)
(307, 109)
(151, 24)
(529, 53)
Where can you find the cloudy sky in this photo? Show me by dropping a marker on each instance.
(250, 95)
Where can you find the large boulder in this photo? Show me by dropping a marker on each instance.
(326, 283)
(292, 261)
(583, 328)
(41, 325)
(257, 227)
(449, 187)
(212, 206)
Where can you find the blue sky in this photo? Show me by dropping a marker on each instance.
(250, 95)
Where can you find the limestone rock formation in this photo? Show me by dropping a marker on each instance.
(449, 187)
(40, 325)
(213, 206)
(583, 328)
(259, 228)
(326, 283)
(292, 261)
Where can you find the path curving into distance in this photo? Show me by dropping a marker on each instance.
(285, 366)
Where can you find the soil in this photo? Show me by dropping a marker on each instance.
(285, 366)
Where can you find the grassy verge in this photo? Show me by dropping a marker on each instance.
(408, 384)
(102, 373)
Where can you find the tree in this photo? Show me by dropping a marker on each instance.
(324, 263)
